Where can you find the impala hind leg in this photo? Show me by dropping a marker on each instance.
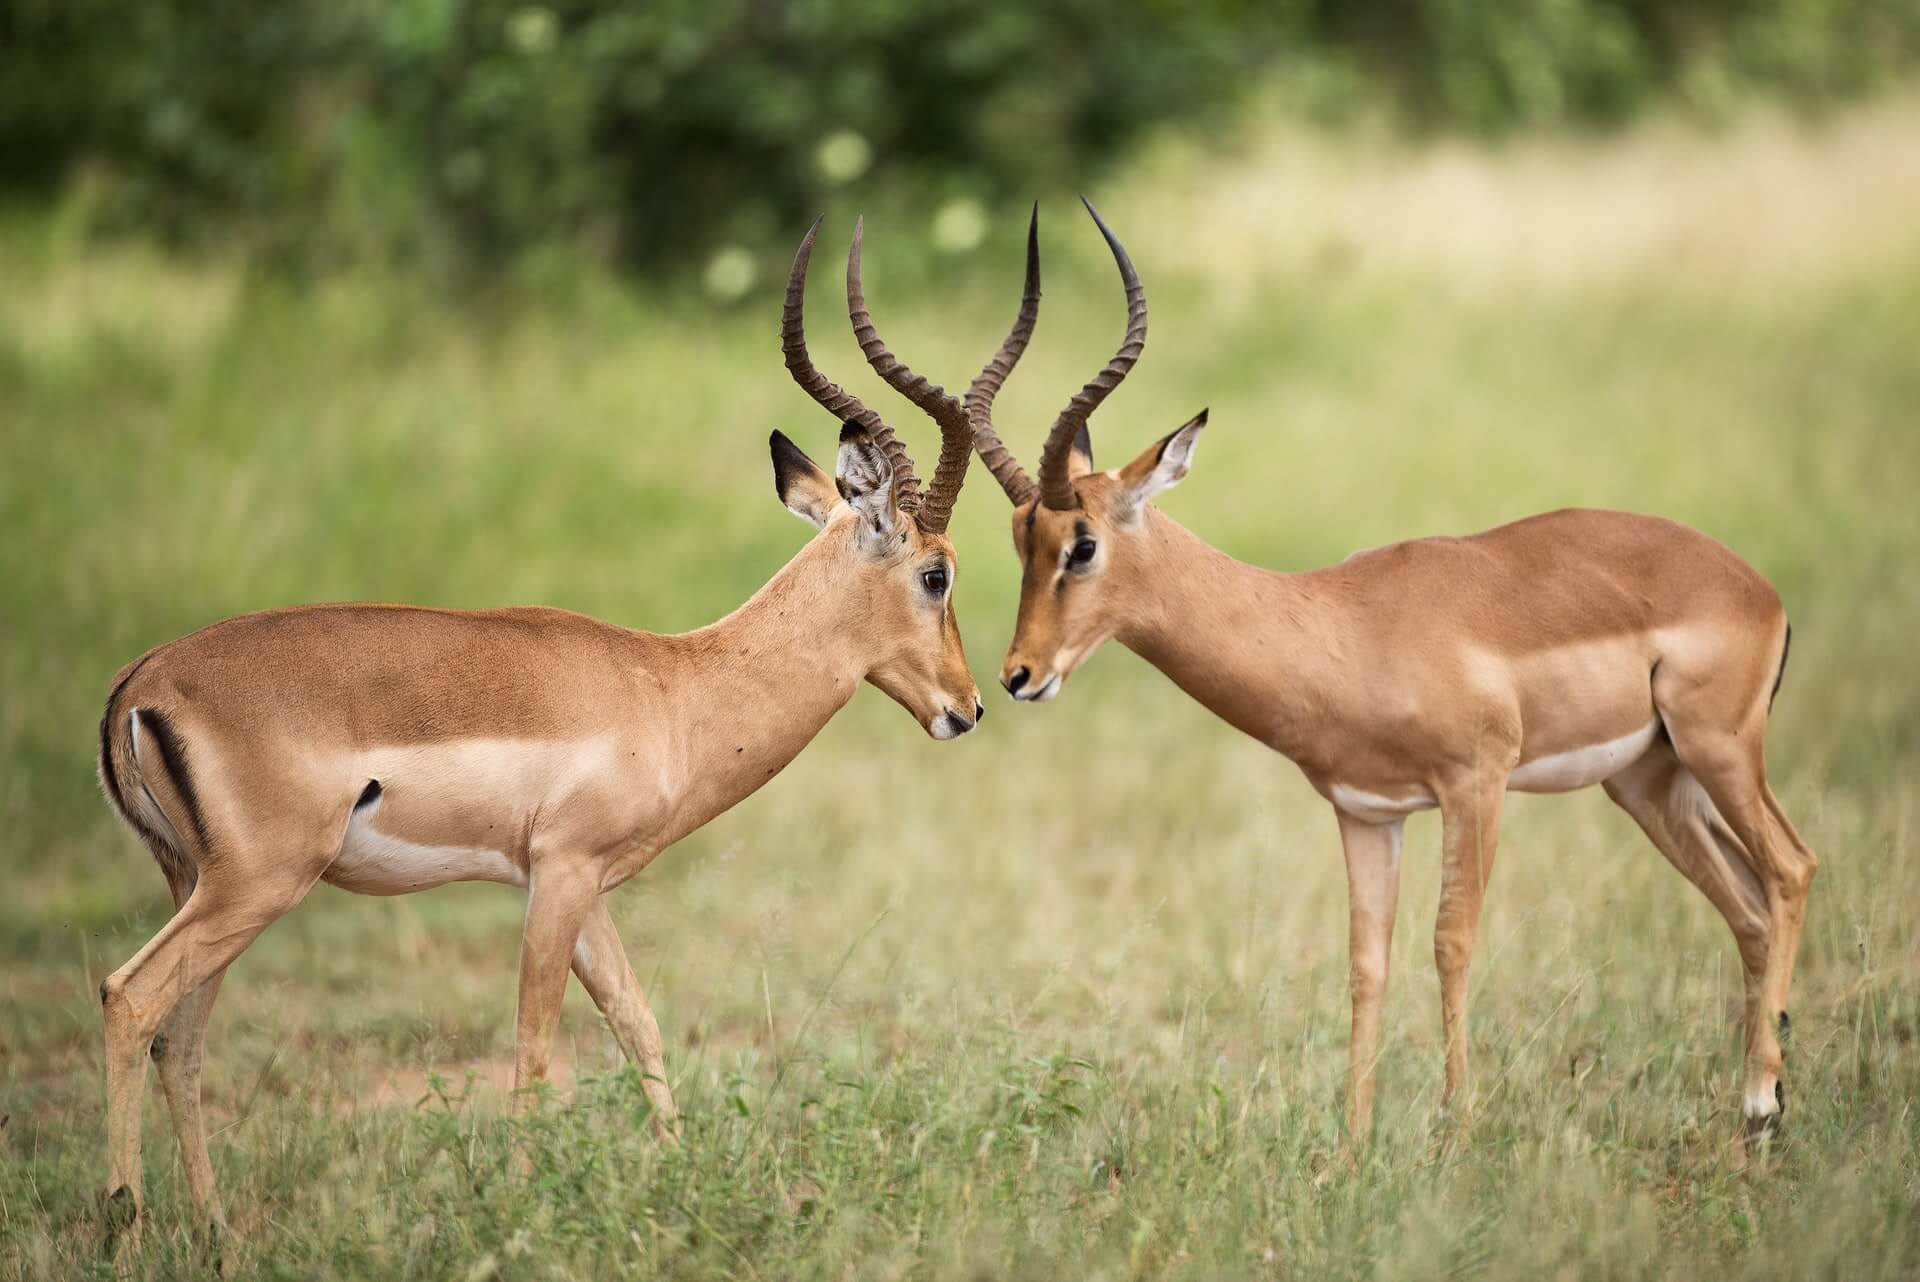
(1373, 892)
(1470, 830)
(1808, 863)
(1730, 768)
(1679, 818)
(179, 1051)
(600, 963)
(179, 966)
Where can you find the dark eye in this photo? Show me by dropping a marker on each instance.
(1082, 552)
(935, 580)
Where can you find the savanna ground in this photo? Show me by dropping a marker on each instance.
(1066, 998)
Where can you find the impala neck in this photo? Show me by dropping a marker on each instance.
(1251, 645)
(749, 692)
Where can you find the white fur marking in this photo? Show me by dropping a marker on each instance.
(376, 863)
(1760, 1104)
(144, 801)
(1581, 767)
(1362, 804)
(1560, 772)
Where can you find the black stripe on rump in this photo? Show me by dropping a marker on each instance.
(173, 756)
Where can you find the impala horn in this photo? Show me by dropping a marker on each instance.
(1056, 489)
(1005, 468)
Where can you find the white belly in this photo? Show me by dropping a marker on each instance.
(1378, 808)
(1581, 767)
(372, 862)
(1559, 772)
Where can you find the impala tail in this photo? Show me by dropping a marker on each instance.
(145, 774)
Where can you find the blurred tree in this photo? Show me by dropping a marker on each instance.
(317, 128)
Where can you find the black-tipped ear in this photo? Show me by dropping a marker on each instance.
(857, 451)
(1080, 454)
(1192, 427)
(789, 460)
(1160, 466)
(864, 477)
(807, 491)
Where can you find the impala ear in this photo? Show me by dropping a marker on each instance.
(806, 490)
(865, 480)
(1080, 457)
(1161, 466)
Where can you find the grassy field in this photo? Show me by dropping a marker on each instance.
(1016, 1026)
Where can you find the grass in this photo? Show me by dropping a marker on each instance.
(947, 1010)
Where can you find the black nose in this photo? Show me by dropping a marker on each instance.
(979, 711)
(1014, 680)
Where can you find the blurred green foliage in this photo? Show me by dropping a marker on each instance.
(464, 129)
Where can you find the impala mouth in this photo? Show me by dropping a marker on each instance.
(1038, 693)
(951, 725)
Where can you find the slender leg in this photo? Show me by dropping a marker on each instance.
(179, 1052)
(557, 906)
(1680, 819)
(1373, 892)
(1470, 829)
(1733, 774)
(1715, 710)
(214, 926)
(1808, 864)
(601, 964)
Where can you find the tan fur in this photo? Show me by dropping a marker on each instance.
(1426, 672)
(532, 746)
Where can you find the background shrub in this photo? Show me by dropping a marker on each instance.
(472, 128)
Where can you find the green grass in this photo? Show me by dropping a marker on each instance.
(1067, 998)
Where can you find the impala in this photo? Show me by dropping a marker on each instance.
(1564, 650)
(387, 749)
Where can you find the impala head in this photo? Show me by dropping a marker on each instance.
(889, 535)
(1081, 535)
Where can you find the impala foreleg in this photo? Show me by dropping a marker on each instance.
(558, 903)
(1470, 823)
(1373, 891)
(601, 964)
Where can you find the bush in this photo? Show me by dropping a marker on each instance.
(320, 128)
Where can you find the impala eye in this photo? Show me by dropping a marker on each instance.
(935, 580)
(1082, 552)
